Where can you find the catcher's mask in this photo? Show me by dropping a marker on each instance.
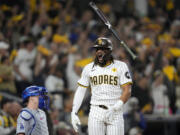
(37, 91)
(103, 47)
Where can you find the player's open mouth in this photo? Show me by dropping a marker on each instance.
(100, 57)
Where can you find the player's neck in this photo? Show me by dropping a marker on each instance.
(32, 106)
(107, 63)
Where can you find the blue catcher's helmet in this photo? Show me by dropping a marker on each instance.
(43, 98)
(37, 91)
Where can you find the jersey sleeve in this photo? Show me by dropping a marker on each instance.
(84, 80)
(125, 75)
(23, 123)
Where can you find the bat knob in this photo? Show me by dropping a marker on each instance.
(91, 3)
(134, 57)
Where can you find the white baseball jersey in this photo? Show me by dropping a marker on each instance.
(105, 81)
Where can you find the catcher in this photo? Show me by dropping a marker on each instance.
(32, 119)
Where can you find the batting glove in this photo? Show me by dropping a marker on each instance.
(75, 121)
(111, 110)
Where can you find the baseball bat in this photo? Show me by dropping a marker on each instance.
(110, 28)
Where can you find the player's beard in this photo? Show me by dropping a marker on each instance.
(102, 59)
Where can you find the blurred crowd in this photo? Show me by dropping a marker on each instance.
(47, 43)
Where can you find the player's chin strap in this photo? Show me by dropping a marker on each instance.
(32, 116)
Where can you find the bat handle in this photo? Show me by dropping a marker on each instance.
(127, 48)
(123, 43)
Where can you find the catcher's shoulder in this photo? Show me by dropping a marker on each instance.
(25, 114)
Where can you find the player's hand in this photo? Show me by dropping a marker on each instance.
(110, 114)
(75, 121)
(113, 109)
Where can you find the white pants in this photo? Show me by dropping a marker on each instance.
(99, 125)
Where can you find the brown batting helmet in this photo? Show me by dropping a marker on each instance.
(103, 42)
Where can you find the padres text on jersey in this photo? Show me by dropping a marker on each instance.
(105, 82)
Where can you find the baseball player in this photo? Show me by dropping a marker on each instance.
(110, 84)
(32, 119)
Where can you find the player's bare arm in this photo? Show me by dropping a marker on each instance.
(126, 92)
(21, 134)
